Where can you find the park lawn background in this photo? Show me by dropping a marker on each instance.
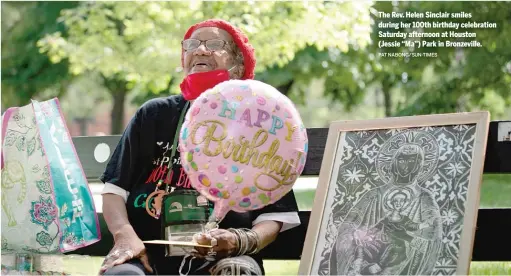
(495, 193)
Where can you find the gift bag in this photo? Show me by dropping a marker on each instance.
(47, 206)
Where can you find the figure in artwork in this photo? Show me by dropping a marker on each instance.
(394, 229)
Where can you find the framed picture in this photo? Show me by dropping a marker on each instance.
(397, 196)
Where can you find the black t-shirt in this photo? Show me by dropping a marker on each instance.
(141, 159)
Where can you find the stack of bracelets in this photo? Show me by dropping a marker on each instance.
(247, 241)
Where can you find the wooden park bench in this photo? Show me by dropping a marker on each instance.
(493, 233)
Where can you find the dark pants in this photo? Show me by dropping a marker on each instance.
(132, 267)
(242, 265)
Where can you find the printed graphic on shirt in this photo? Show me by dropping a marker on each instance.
(154, 202)
(165, 168)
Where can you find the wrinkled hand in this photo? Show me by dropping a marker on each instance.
(127, 246)
(225, 243)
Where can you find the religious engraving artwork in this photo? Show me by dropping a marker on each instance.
(398, 202)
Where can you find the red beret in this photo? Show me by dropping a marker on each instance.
(238, 37)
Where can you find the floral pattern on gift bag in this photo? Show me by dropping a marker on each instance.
(49, 207)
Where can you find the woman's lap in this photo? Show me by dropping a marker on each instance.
(132, 267)
(242, 265)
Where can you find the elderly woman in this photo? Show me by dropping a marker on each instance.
(213, 51)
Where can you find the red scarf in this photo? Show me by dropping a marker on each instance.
(195, 84)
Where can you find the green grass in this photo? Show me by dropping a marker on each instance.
(490, 268)
(305, 199)
(495, 192)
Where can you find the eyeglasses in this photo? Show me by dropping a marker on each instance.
(211, 44)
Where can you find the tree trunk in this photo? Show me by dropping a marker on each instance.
(117, 113)
(387, 97)
(116, 88)
(387, 102)
(82, 124)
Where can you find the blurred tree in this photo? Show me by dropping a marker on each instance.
(26, 72)
(454, 81)
(344, 78)
(135, 46)
(463, 79)
(82, 99)
(347, 74)
(134, 49)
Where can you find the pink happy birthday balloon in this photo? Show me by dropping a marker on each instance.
(243, 145)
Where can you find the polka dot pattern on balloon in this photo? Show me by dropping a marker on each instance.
(184, 134)
(222, 169)
(204, 180)
(264, 198)
(214, 191)
(261, 101)
(245, 202)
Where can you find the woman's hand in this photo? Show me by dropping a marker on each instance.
(127, 246)
(225, 243)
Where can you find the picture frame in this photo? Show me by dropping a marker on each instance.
(397, 196)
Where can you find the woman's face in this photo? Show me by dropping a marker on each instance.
(220, 54)
(407, 165)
